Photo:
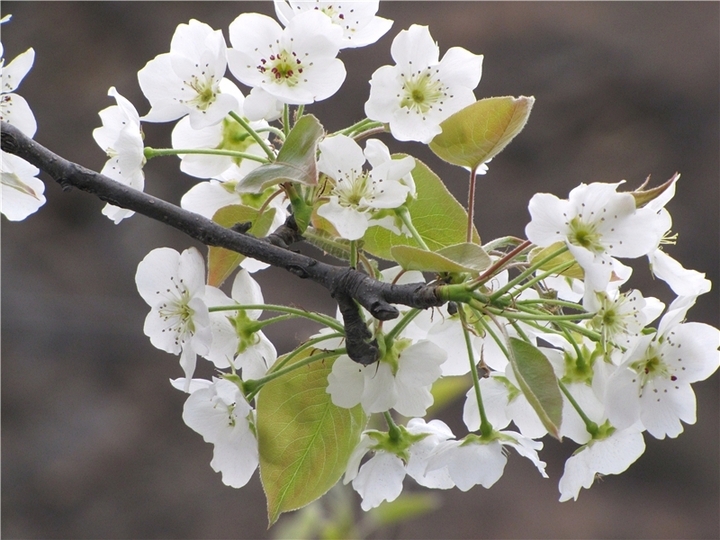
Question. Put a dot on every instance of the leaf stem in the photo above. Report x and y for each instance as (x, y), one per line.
(485, 425)
(497, 294)
(252, 386)
(325, 320)
(404, 214)
(254, 134)
(591, 426)
(157, 152)
(471, 203)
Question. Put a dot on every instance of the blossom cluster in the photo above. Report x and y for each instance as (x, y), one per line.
(551, 316)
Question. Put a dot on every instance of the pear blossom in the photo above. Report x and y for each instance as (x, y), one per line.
(401, 380)
(652, 385)
(596, 223)
(237, 341)
(683, 281)
(189, 80)
(357, 194)
(420, 91)
(225, 135)
(622, 316)
(22, 193)
(173, 285)
(356, 18)
(381, 477)
(610, 455)
(219, 412)
(503, 402)
(297, 65)
(121, 138)
(14, 109)
(473, 460)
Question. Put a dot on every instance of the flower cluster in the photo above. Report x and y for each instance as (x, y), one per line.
(542, 336)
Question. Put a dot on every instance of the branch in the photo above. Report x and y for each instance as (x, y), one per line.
(344, 284)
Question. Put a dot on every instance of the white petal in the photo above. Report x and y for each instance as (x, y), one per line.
(380, 479)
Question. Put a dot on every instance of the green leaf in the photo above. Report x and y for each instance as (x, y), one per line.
(407, 506)
(574, 271)
(538, 383)
(446, 390)
(480, 131)
(296, 161)
(438, 217)
(304, 440)
(221, 261)
(458, 258)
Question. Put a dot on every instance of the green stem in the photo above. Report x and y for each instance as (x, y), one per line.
(485, 425)
(308, 344)
(526, 316)
(157, 152)
(357, 126)
(275, 131)
(317, 317)
(253, 386)
(286, 119)
(549, 301)
(299, 112)
(393, 430)
(254, 134)
(497, 294)
(498, 265)
(404, 214)
(591, 426)
(400, 326)
(471, 203)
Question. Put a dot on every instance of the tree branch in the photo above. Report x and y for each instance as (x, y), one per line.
(344, 284)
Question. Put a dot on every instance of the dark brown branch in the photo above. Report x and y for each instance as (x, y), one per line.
(344, 284)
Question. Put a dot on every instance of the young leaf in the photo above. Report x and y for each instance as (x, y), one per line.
(438, 217)
(458, 258)
(538, 383)
(221, 261)
(574, 271)
(304, 440)
(296, 161)
(480, 131)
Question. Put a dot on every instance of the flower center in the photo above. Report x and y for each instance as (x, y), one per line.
(585, 235)
(206, 91)
(177, 312)
(422, 92)
(355, 188)
(282, 68)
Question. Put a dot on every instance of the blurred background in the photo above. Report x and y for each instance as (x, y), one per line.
(93, 441)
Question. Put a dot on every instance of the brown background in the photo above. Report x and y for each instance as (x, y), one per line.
(93, 442)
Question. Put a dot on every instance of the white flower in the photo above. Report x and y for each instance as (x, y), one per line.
(297, 65)
(356, 193)
(173, 285)
(218, 411)
(503, 401)
(653, 383)
(225, 135)
(22, 193)
(356, 18)
(611, 455)
(401, 380)
(622, 316)
(381, 477)
(189, 79)
(237, 339)
(121, 138)
(14, 109)
(596, 223)
(419, 92)
(473, 461)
